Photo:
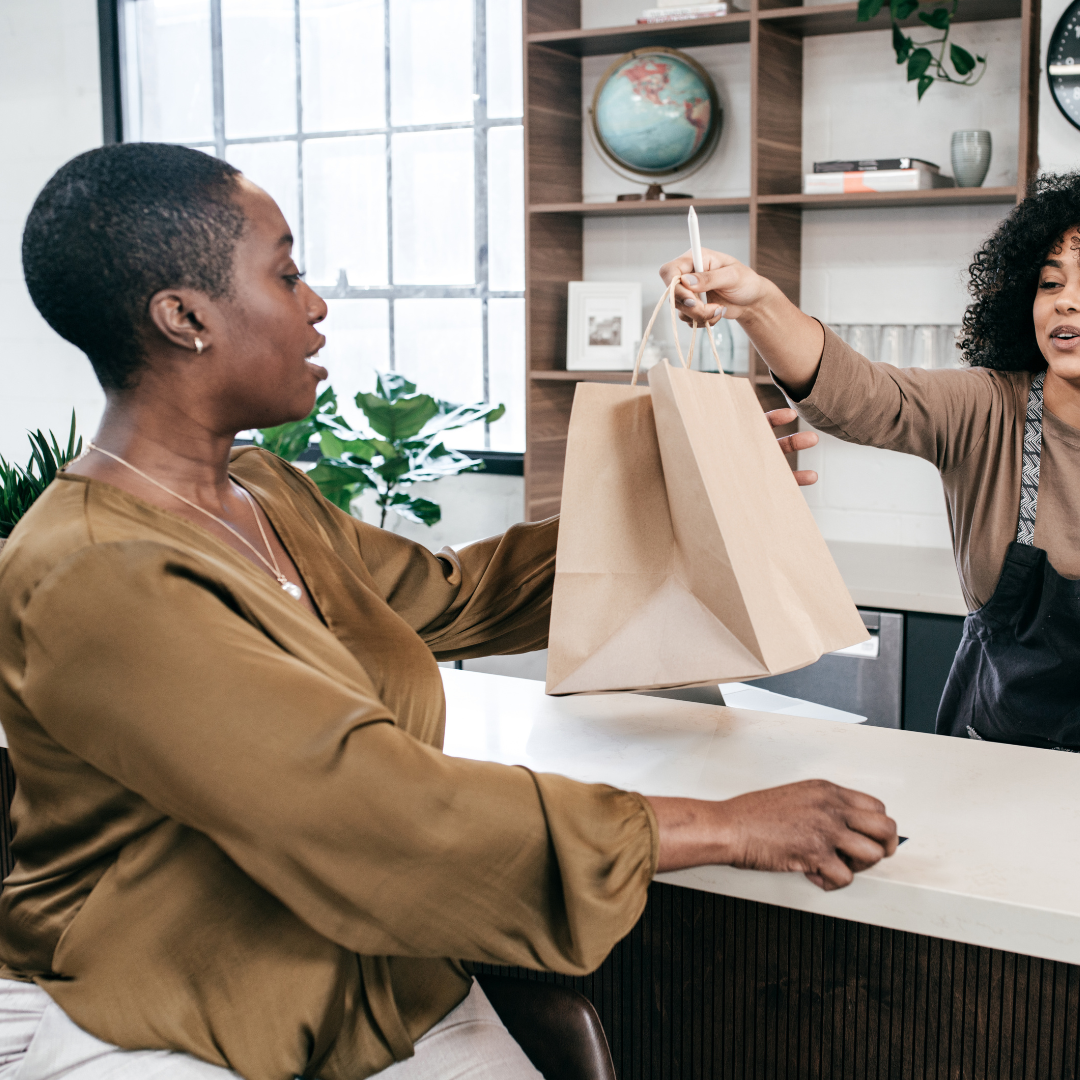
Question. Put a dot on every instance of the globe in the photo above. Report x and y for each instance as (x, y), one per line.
(656, 112)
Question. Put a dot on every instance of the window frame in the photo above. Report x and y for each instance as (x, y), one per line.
(113, 131)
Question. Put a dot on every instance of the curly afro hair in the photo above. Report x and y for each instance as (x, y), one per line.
(998, 328)
(118, 224)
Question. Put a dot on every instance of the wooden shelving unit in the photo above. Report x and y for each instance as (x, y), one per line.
(554, 45)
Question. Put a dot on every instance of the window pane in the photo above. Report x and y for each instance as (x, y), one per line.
(506, 209)
(168, 79)
(506, 372)
(258, 44)
(345, 210)
(438, 344)
(503, 58)
(357, 347)
(431, 61)
(434, 241)
(343, 63)
(273, 167)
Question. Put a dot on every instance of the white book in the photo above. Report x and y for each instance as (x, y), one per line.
(846, 183)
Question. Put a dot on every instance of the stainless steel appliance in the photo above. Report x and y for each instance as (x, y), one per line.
(866, 679)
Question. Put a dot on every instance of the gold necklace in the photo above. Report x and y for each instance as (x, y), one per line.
(272, 564)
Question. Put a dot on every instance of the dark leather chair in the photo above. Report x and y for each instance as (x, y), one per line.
(556, 1027)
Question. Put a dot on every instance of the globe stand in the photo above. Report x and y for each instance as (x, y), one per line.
(654, 193)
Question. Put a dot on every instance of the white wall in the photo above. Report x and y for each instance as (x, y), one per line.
(50, 110)
(870, 266)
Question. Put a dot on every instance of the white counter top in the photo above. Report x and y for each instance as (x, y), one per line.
(994, 830)
(901, 578)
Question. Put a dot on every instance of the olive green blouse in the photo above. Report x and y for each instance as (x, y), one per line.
(236, 835)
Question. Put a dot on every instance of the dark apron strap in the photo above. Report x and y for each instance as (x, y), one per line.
(1029, 473)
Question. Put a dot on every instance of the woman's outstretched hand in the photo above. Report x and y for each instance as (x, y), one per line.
(826, 832)
(790, 444)
(725, 280)
(790, 342)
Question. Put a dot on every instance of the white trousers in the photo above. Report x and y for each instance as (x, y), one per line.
(39, 1042)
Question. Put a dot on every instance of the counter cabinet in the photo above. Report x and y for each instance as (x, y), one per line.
(708, 987)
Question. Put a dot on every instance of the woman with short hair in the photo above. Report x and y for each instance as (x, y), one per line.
(238, 845)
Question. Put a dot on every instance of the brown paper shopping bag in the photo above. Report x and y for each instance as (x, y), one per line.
(686, 553)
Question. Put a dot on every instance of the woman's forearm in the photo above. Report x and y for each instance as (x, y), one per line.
(817, 828)
(787, 340)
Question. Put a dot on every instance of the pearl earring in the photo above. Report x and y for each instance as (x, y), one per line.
(198, 346)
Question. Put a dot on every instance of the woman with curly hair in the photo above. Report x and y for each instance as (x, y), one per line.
(1004, 433)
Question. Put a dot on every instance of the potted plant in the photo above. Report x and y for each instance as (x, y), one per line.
(20, 486)
(404, 447)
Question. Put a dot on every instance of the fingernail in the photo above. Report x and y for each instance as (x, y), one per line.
(689, 279)
(690, 302)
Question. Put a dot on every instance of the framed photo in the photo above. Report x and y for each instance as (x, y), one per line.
(603, 325)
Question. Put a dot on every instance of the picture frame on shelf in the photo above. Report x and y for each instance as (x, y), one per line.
(603, 325)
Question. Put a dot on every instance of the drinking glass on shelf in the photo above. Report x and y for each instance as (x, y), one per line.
(863, 339)
(703, 354)
(925, 350)
(893, 345)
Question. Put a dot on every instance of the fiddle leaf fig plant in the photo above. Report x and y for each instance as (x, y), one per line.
(926, 60)
(21, 485)
(404, 447)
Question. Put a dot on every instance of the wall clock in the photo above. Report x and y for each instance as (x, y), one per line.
(1063, 64)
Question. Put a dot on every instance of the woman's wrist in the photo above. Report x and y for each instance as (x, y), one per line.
(693, 832)
(788, 340)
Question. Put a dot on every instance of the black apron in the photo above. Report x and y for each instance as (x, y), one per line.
(1016, 676)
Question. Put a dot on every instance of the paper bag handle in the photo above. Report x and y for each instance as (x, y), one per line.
(669, 296)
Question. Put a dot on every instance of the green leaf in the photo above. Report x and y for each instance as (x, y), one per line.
(330, 445)
(961, 59)
(422, 511)
(391, 385)
(938, 18)
(868, 9)
(461, 416)
(917, 64)
(340, 482)
(398, 419)
(901, 9)
(924, 84)
(902, 44)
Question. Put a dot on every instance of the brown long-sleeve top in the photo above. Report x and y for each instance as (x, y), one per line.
(970, 424)
(236, 835)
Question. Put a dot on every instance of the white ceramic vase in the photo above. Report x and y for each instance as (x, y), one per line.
(970, 157)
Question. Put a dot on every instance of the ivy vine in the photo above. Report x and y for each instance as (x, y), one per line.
(926, 59)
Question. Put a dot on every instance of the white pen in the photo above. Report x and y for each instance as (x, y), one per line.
(695, 248)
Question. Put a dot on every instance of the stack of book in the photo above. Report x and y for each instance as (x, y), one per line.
(874, 174)
(669, 13)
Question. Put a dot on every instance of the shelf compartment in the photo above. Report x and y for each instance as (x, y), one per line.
(620, 39)
(955, 196)
(813, 21)
(655, 206)
(840, 18)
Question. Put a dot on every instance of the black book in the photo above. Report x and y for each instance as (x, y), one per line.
(873, 164)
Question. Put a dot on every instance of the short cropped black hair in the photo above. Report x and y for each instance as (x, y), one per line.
(116, 225)
(998, 328)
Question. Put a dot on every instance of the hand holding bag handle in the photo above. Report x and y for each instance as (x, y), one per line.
(669, 297)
